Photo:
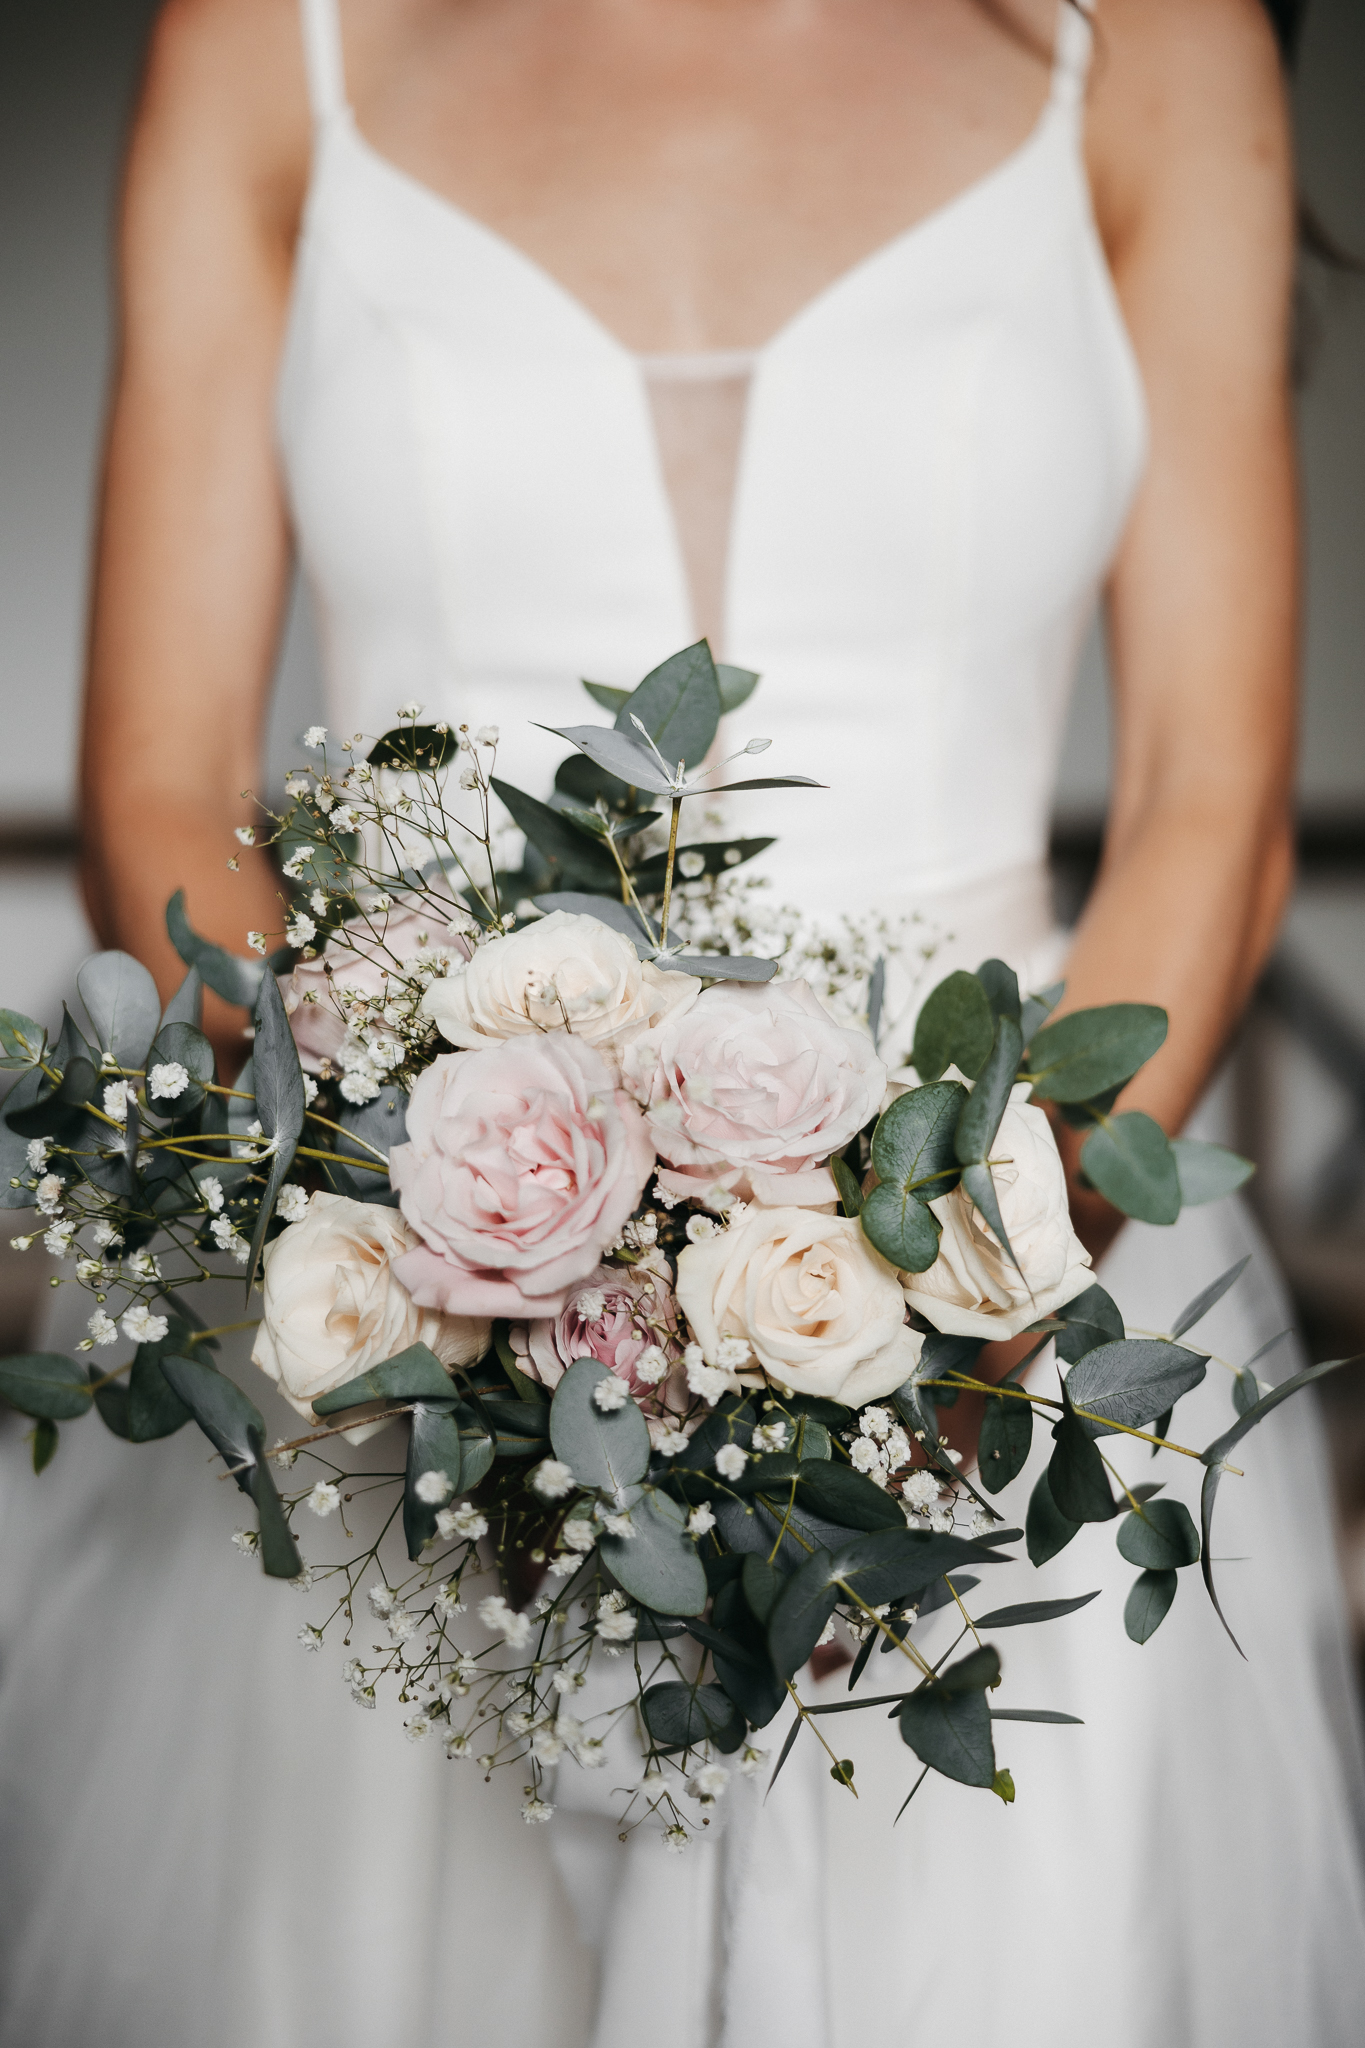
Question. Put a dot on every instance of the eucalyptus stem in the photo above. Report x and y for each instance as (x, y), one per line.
(668, 872)
(836, 1761)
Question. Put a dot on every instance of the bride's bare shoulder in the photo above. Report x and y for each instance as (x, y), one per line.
(1183, 90)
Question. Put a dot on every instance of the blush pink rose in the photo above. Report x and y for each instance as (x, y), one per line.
(627, 1317)
(376, 949)
(523, 1163)
(750, 1091)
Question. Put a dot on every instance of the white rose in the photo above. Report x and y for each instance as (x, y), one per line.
(564, 972)
(333, 1306)
(973, 1289)
(821, 1310)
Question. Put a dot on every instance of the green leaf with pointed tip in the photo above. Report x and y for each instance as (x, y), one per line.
(43, 1437)
(122, 1004)
(433, 1446)
(657, 1565)
(717, 856)
(571, 853)
(1148, 1604)
(154, 1409)
(913, 1145)
(607, 910)
(736, 685)
(678, 704)
(416, 1374)
(414, 747)
(1046, 1714)
(1046, 1530)
(236, 980)
(604, 1448)
(955, 1028)
(279, 1553)
(719, 966)
(902, 1228)
(1131, 1162)
(1029, 1611)
(1132, 1382)
(1091, 1319)
(980, 1185)
(1076, 1475)
(186, 1006)
(889, 1565)
(277, 1081)
(847, 1497)
(1038, 1007)
(1159, 1536)
(231, 1421)
(1208, 1172)
(979, 1118)
(849, 1186)
(627, 756)
(1005, 1440)
(1001, 984)
(762, 1583)
(680, 1716)
(21, 1040)
(44, 1385)
(185, 1046)
(606, 694)
(1208, 1297)
(949, 1729)
(1088, 1051)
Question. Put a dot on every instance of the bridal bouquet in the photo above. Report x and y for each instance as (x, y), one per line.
(646, 1273)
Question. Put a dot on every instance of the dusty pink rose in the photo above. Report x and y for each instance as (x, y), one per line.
(627, 1317)
(752, 1089)
(378, 948)
(523, 1163)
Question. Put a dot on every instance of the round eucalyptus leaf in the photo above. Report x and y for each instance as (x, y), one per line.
(1004, 1442)
(951, 1733)
(122, 1004)
(1148, 1604)
(45, 1385)
(1159, 1536)
(658, 1565)
(902, 1228)
(913, 1145)
(1046, 1529)
(954, 1029)
(607, 1448)
(1208, 1172)
(1132, 1382)
(1082, 1054)
(679, 1716)
(1130, 1161)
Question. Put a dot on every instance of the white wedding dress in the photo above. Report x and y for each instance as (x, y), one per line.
(900, 510)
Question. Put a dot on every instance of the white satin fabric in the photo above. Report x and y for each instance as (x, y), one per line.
(204, 1840)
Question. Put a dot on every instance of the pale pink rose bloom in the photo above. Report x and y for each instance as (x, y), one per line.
(616, 1315)
(750, 1091)
(524, 1162)
(379, 947)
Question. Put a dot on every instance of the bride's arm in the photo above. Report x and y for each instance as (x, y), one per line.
(1190, 162)
(193, 550)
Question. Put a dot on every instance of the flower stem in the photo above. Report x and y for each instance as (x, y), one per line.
(668, 872)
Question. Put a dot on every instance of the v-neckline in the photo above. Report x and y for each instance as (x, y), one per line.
(902, 242)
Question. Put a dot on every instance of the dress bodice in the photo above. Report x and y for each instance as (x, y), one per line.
(937, 457)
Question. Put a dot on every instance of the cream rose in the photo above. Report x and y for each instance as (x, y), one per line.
(334, 1306)
(564, 972)
(973, 1289)
(821, 1311)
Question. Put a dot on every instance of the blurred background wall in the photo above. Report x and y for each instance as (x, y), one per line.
(1295, 1089)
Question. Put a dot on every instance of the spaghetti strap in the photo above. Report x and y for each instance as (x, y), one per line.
(324, 59)
(1074, 44)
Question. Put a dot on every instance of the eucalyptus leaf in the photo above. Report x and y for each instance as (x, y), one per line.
(607, 910)
(1132, 1382)
(887, 1566)
(277, 1080)
(979, 1117)
(21, 1040)
(44, 1385)
(1029, 1611)
(1148, 1604)
(717, 856)
(1005, 1440)
(657, 1565)
(602, 1448)
(606, 694)
(231, 1421)
(1130, 1161)
(415, 1374)
(902, 1228)
(1045, 1714)
(568, 851)
(679, 705)
(955, 1028)
(1091, 1318)
(848, 1497)
(433, 1446)
(849, 1186)
(1159, 1536)
(762, 1583)
(680, 1716)
(154, 1409)
(718, 966)
(408, 748)
(372, 1127)
(1076, 1475)
(1088, 1051)
(186, 1046)
(629, 759)
(876, 998)
(762, 782)
(948, 1726)
(186, 1006)
(1046, 1530)
(122, 1004)
(736, 685)
(1001, 984)
(913, 1145)
(1208, 1297)
(235, 979)
(1039, 1007)
(1208, 1172)
(978, 1183)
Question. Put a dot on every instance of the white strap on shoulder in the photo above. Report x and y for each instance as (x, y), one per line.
(326, 64)
(1072, 50)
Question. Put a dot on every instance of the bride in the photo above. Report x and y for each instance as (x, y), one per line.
(876, 339)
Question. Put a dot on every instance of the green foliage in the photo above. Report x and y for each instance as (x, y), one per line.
(679, 1716)
(902, 1228)
(1076, 1475)
(122, 1004)
(21, 1040)
(1208, 1297)
(718, 856)
(434, 1445)
(1208, 1172)
(235, 979)
(658, 1565)
(608, 1449)
(154, 1409)
(1148, 1604)
(415, 747)
(1001, 984)
(183, 1045)
(1005, 1440)
(848, 1497)
(948, 1724)
(1088, 1051)
(913, 1146)
(236, 1429)
(1046, 1529)
(1159, 1536)
(186, 1006)
(1132, 1382)
(416, 1374)
(678, 704)
(570, 852)
(44, 1385)
(955, 1028)
(43, 1437)
(980, 1115)
(1027, 1612)
(1130, 1161)
(886, 1567)
(1091, 1318)
(849, 1186)
(277, 1083)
